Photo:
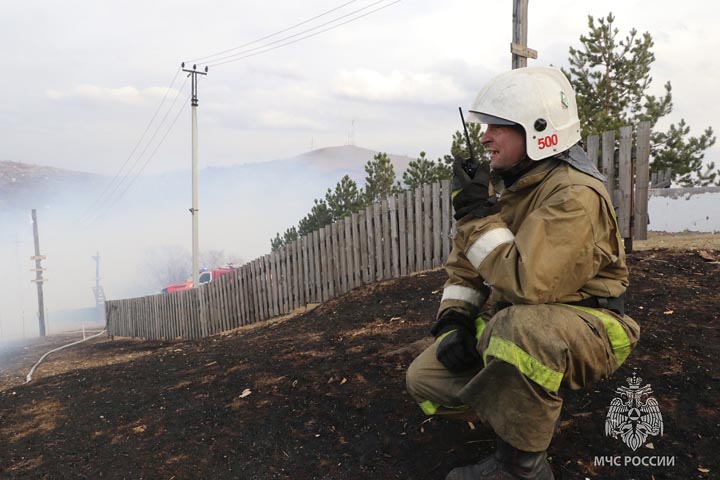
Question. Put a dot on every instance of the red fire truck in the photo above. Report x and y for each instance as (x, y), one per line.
(206, 276)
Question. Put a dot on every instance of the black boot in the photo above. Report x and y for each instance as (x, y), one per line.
(508, 463)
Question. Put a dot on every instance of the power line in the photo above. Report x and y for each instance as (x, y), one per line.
(114, 185)
(246, 54)
(117, 198)
(111, 185)
(272, 34)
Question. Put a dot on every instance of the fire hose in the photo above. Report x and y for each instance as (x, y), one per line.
(32, 370)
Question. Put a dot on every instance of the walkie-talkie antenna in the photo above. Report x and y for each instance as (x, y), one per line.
(467, 135)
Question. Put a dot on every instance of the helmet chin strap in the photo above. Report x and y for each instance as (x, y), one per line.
(510, 175)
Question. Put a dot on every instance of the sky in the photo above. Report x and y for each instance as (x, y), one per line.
(82, 79)
(97, 87)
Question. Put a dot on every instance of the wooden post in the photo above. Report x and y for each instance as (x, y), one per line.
(394, 253)
(437, 247)
(640, 220)
(427, 227)
(306, 270)
(349, 262)
(38, 280)
(364, 237)
(419, 229)
(357, 269)
(342, 257)
(316, 263)
(386, 240)
(608, 162)
(324, 270)
(593, 148)
(369, 214)
(518, 47)
(377, 233)
(625, 184)
(446, 215)
(410, 215)
(402, 232)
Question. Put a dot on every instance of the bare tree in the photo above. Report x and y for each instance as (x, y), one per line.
(166, 265)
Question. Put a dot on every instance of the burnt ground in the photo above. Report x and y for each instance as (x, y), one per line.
(321, 395)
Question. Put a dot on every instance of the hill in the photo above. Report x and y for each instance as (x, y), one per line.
(241, 209)
(26, 186)
(321, 395)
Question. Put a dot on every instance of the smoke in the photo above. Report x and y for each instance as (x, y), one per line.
(240, 210)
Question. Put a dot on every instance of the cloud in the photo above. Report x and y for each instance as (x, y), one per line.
(97, 94)
(278, 119)
(397, 86)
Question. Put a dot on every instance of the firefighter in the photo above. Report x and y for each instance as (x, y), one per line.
(536, 278)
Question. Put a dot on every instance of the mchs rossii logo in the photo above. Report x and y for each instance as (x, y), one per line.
(634, 414)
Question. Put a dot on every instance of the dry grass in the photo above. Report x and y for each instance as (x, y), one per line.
(679, 241)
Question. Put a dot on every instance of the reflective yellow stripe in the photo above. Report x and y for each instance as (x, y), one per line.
(437, 340)
(430, 408)
(479, 327)
(530, 367)
(454, 193)
(620, 342)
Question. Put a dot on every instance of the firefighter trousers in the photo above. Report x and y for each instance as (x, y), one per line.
(529, 352)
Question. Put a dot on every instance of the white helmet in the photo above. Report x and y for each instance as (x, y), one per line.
(540, 99)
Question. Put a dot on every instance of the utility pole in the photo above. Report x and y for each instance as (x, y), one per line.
(194, 210)
(98, 291)
(518, 47)
(38, 274)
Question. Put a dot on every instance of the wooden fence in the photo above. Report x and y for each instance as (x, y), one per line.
(403, 234)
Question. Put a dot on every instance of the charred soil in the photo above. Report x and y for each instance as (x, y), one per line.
(322, 395)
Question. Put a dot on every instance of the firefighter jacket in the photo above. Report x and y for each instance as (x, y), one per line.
(555, 240)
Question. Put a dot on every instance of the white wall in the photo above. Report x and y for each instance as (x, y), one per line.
(679, 209)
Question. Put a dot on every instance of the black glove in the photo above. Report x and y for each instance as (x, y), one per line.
(456, 348)
(470, 193)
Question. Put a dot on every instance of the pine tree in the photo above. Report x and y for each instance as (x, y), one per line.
(459, 146)
(687, 170)
(318, 217)
(345, 200)
(611, 78)
(424, 171)
(380, 179)
(288, 237)
(276, 243)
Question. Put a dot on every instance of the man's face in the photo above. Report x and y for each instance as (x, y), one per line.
(505, 144)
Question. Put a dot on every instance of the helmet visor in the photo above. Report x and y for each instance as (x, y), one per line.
(484, 118)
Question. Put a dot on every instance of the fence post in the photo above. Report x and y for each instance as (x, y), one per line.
(364, 237)
(378, 233)
(357, 272)
(640, 221)
(419, 229)
(340, 249)
(436, 222)
(369, 215)
(402, 232)
(593, 148)
(608, 163)
(427, 227)
(446, 218)
(349, 262)
(625, 181)
(394, 253)
(386, 239)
